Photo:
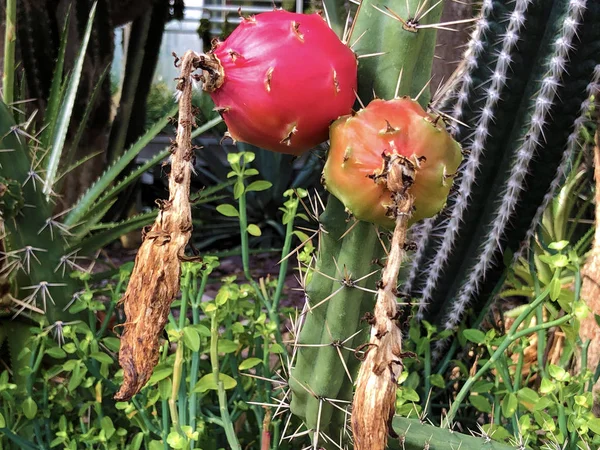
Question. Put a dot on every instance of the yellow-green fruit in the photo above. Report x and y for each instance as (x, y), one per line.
(360, 143)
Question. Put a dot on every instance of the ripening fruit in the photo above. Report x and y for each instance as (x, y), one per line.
(356, 160)
(280, 79)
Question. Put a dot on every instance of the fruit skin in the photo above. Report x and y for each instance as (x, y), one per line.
(281, 78)
(356, 159)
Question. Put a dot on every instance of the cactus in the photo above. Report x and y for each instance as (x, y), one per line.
(529, 72)
(520, 97)
(393, 61)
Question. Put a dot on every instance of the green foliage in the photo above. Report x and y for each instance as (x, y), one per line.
(220, 365)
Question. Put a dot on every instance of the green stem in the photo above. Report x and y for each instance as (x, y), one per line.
(511, 336)
(195, 355)
(177, 365)
(287, 245)
(10, 39)
(214, 360)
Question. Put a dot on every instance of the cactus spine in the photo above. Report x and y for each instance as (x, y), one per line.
(528, 74)
(393, 60)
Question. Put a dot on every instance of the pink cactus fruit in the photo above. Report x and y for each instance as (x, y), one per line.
(357, 159)
(280, 79)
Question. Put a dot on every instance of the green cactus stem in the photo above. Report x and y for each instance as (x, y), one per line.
(416, 435)
(529, 72)
(393, 60)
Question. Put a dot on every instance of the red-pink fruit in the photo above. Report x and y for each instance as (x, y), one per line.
(354, 171)
(280, 79)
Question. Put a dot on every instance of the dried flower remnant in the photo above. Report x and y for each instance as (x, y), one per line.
(154, 282)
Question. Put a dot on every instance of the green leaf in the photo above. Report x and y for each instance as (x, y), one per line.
(191, 339)
(160, 372)
(509, 405)
(207, 382)
(136, 442)
(66, 110)
(113, 343)
(253, 230)
(165, 388)
(102, 357)
(228, 210)
(249, 363)
(481, 403)
(437, 380)
(261, 185)
(594, 424)
(176, 440)
(107, 426)
(29, 408)
(2, 421)
(238, 189)
(558, 373)
(473, 335)
(56, 352)
(276, 348)
(555, 287)
(227, 346)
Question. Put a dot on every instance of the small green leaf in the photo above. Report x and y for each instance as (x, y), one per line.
(594, 424)
(558, 245)
(249, 363)
(56, 352)
(102, 357)
(30, 408)
(227, 346)
(113, 343)
(191, 339)
(238, 189)
(555, 288)
(509, 405)
(558, 373)
(473, 335)
(202, 329)
(136, 442)
(160, 373)
(207, 382)
(228, 210)
(276, 348)
(175, 440)
(2, 421)
(437, 380)
(107, 426)
(260, 185)
(165, 387)
(480, 403)
(253, 230)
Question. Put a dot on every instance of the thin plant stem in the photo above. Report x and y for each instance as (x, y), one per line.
(287, 245)
(510, 337)
(177, 365)
(165, 423)
(10, 40)
(214, 360)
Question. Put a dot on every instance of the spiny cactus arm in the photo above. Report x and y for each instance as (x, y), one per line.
(335, 303)
(562, 68)
(387, 48)
(33, 245)
(415, 435)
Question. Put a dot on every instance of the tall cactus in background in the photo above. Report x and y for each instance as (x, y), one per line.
(520, 101)
(516, 107)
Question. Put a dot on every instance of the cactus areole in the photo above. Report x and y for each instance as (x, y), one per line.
(280, 79)
(361, 147)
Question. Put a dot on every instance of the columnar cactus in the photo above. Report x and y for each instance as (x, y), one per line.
(529, 72)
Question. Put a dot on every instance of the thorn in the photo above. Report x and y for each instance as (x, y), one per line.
(416, 99)
(268, 77)
(369, 55)
(359, 100)
(358, 39)
(398, 83)
(296, 31)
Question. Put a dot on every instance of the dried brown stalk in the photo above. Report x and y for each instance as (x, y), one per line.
(375, 397)
(154, 282)
(590, 287)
